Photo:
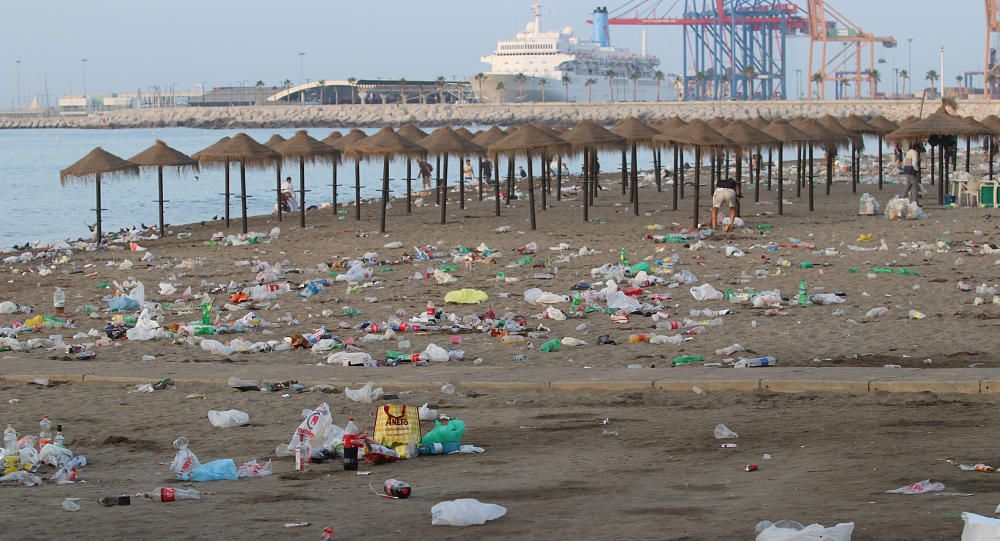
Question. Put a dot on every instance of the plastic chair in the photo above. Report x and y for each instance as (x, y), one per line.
(971, 191)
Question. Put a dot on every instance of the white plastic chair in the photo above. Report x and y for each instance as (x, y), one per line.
(971, 191)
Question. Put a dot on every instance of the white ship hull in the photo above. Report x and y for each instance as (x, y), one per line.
(620, 90)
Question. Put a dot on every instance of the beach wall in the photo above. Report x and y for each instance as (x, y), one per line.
(339, 116)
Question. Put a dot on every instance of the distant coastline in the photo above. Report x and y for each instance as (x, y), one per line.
(347, 116)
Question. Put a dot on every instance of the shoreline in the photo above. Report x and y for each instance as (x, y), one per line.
(349, 116)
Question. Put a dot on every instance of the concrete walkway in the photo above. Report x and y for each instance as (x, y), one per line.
(528, 378)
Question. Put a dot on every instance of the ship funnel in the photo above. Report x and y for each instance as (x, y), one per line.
(602, 36)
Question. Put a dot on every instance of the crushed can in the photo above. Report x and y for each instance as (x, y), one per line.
(750, 467)
(397, 489)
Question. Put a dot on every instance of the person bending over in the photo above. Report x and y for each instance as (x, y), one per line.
(726, 191)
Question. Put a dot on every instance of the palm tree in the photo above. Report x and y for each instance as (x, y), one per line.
(959, 79)
(440, 84)
(931, 76)
(259, 83)
(541, 84)
(844, 84)
(659, 76)
(634, 77)
(817, 79)
(905, 75)
(589, 83)
(286, 84)
(749, 73)
(875, 77)
(522, 80)
(610, 74)
(352, 80)
(480, 77)
(566, 81)
(500, 89)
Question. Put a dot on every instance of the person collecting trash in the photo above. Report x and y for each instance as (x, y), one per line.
(726, 191)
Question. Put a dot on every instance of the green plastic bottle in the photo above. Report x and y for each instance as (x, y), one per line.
(623, 258)
(803, 293)
(687, 359)
(551, 345)
(806, 265)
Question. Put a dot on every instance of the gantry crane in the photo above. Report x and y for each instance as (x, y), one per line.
(827, 25)
(990, 68)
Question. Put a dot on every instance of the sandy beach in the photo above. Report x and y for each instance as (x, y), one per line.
(664, 475)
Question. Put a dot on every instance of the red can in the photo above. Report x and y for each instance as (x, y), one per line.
(750, 467)
(398, 489)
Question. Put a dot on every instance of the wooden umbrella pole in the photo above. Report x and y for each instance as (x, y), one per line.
(624, 168)
(657, 175)
(443, 190)
(781, 180)
(586, 188)
(496, 182)
(880, 163)
(943, 181)
(510, 180)
(770, 157)
(543, 163)
(756, 181)
(799, 172)
(678, 174)
(739, 182)
(227, 193)
(697, 182)
(385, 193)
(989, 154)
(409, 186)
(812, 179)
(559, 168)
(594, 181)
(357, 190)
(531, 193)
(677, 182)
(635, 182)
(855, 168)
(333, 200)
(159, 179)
(98, 230)
(277, 189)
(243, 195)
(437, 179)
(829, 172)
(968, 152)
(302, 192)
(480, 177)
(461, 183)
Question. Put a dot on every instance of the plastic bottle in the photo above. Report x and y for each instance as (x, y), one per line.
(623, 258)
(59, 440)
(686, 359)
(551, 345)
(704, 322)
(730, 350)
(10, 440)
(756, 362)
(59, 301)
(638, 337)
(351, 445)
(431, 310)
(167, 494)
(44, 431)
(803, 293)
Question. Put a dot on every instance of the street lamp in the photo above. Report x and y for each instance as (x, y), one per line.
(18, 62)
(302, 95)
(798, 82)
(909, 64)
(86, 104)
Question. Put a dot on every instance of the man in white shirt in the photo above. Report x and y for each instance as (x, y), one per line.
(911, 161)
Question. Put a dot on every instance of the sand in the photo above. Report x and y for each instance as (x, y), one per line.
(663, 476)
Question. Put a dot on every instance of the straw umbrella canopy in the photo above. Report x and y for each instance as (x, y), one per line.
(249, 153)
(96, 164)
(525, 141)
(698, 134)
(785, 133)
(158, 156)
(717, 123)
(305, 148)
(635, 133)
(385, 144)
(442, 142)
(667, 127)
(883, 125)
(747, 138)
(484, 139)
(590, 137)
(758, 122)
(342, 144)
(413, 133)
(272, 144)
(464, 132)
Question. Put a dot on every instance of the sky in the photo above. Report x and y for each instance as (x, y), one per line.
(135, 45)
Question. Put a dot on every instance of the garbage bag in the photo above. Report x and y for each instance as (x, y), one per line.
(223, 469)
(620, 301)
(920, 487)
(442, 277)
(465, 512)
(466, 296)
(122, 304)
(722, 432)
(705, 292)
(214, 346)
(435, 353)
(228, 418)
(350, 358)
(788, 530)
(980, 528)
(537, 296)
(868, 205)
(355, 273)
(364, 395)
(313, 428)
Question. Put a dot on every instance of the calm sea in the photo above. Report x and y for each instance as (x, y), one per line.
(37, 207)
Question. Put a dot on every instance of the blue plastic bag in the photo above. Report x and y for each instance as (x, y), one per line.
(123, 303)
(223, 469)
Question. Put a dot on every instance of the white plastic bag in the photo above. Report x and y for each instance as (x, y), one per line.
(364, 395)
(427, 414)
(705, 292)
(228, 418)
(214, 346)
(465, 512)
(920, 487)
(980, 528)
(254, 468)
(313, 428)
(350, 358)
(434, 353)
(166, 288)
(620, 301)
(722, 432)
(789, 530)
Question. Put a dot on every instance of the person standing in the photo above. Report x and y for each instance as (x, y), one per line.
(897, 156)
(726, 192)
(910, 163)
(487, 169)
(425, 173)
(467, 171)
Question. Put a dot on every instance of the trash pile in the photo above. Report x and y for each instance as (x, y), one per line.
(27, 458)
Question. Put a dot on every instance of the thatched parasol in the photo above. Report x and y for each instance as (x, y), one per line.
(747, 138)
(465, 133)
(590, 137)
(249, 153)
(667, 127)
(883, 125)
(784, 132)
(342, 144)
(442, 142)
(697, 134)
(635, 133)
(305, 148)
(385, 144)
(159, 156)
(525, 141)
(96, 164)
(411, 132)
(717, 123)
(272, 144)
(485, 139)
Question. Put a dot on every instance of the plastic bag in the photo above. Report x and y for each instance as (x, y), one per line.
(920, 487)
(223, 469)
(228, 418)
(364, 395)
(185, 461)
(122, 304)
(427, 414)
(254, 469)
(722, 432)
(466, 296)
(705, 292)
(167, 288)
(465, 512)
(868, 206)
(351, 358)
(434, 353)
(355, 273)
(442, 277)
(313, 428)
(537, 296)
(214, 346)
(980, 528)
(789, 530)
(621, 301)
(28, 479)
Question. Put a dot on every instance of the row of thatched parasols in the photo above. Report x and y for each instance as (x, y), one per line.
(716, 137)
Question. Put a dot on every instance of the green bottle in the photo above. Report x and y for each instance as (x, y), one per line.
(623, 258)
(551, 345)
(803, 293)
(206, 313)
(687, 359)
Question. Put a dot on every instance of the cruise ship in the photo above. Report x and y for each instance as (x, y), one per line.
(555, 66)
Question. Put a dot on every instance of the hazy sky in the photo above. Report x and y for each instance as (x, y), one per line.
(132, 44)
